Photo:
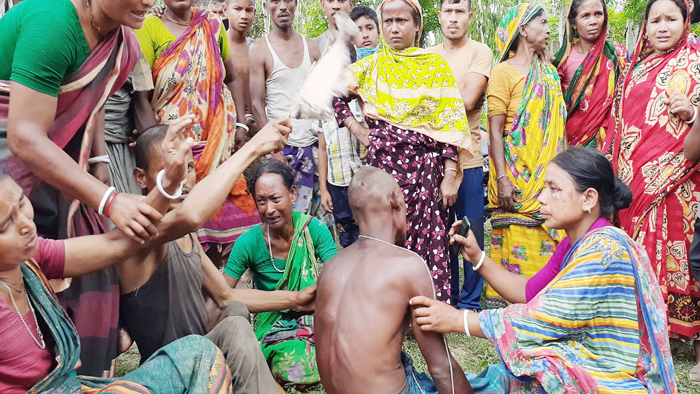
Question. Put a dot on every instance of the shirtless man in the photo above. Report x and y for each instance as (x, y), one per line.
(362, 310)
(279, 64)
(241, 14)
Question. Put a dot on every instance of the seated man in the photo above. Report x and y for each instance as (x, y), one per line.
(362, 310)
(162, 285)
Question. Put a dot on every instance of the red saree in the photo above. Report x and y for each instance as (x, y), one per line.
(589, 97)
(647, 152)
(92, 301)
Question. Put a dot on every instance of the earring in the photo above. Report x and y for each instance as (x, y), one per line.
(587, 209)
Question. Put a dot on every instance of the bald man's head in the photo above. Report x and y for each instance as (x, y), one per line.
(373, 192)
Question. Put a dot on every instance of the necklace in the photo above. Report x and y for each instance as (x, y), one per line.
(269, 245)
(176, 22)
(381, 240)
(41, 345)
(92, 19)
(20, 290)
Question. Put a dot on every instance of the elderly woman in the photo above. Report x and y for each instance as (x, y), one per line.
(526, 113)
(39, 345)
(417, 123)
(593, 320)
(647, 152)
(589, 66)
(283, 253)
(61, 59)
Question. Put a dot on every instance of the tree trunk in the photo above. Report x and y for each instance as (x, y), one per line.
(631, 35)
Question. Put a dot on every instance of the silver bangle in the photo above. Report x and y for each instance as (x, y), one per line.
(466, 324)
(159, 182)
(451, 169)
(108, 193)
(98, 159)
(695, 115)
(481, 261)
(243, 126)
(353, 121)
(499, 178)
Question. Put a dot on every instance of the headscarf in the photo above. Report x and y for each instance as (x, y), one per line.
(507, 32)
(412, 89)
(589, 96)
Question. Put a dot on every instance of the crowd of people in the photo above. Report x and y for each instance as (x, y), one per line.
(148, 157)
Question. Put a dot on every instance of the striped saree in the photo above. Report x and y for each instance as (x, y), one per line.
(190, 365)
(598, 327)
(92, 300)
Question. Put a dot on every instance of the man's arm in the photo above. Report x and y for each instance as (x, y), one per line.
(326, 201)
(471, 89)
(210, 193)
(257, 54)
(314, 51)
(92, 253)
(30, 117)
(238, 101)
(444, 369)
(143, 111)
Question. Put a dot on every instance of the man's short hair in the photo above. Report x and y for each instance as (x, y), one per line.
(365, 11)
(469, 3)
(145, 144)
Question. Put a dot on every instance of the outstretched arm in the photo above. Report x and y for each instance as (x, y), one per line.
(30, 117)
(92, 253)
(444, 369)
(268, 301)
(210, 193)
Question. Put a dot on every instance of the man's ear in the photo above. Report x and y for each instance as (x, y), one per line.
(140, 178)
(394, 199)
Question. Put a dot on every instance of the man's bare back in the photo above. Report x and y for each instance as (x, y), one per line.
(362, 312)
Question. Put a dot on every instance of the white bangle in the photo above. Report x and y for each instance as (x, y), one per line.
(451, 169)
(108, 193)
(98, 159)
(159, 182)
(243, 126)
(348, 126)
(695, 115)
(481, 261)
(466, 324)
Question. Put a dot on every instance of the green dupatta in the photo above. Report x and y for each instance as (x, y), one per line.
(286, 339)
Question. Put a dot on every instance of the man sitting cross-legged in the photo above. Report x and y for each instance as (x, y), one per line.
(162, 285)
(362, 310)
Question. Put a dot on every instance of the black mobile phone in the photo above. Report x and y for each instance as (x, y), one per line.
(463, 230)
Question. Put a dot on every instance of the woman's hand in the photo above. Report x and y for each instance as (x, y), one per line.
(360, 132)
(134, 217)
(506, 193)
(679, 105)
(470, 247)
(449, 187)
(306, 299)
(272, 137)
(432, 315)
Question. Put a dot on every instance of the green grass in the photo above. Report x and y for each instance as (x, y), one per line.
(473, 354)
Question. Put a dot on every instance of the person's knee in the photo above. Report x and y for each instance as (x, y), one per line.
(236, 309)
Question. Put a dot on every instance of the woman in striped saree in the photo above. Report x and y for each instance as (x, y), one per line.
(593, 320)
